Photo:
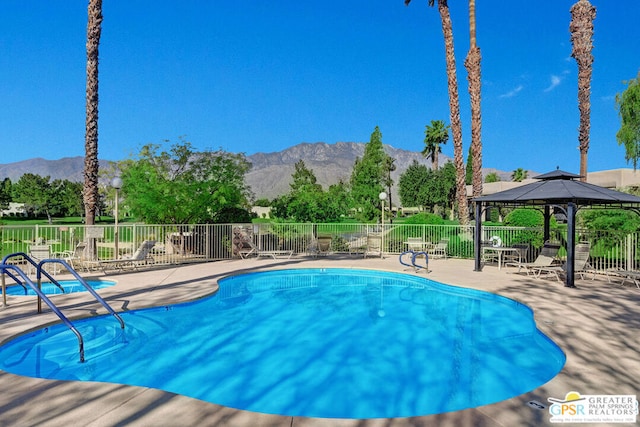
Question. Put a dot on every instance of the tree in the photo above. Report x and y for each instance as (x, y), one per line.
(91, 165)
(435, 135)
(628, 103)
(181, 186)
(5, 193)
(367, 178)
(472, 64)
(36, 194)
(454, 108)
(308, 202)
(421, 186)
(519, 175)
(492, 177)
(581, 28)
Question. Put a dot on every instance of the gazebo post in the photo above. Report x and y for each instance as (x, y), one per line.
(571, 244)
(547, 223)
(477, 237)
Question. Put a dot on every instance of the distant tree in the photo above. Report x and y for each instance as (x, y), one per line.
(519, 175)
(264, 202)
(435, 135)
(410, 182)
(181, 186)
(421, 186)
(36, 194)
(628, 103)
(69, 196)
(5, 193)
(492, 177)
(303, 178)
(367, 179)
(308, 202)
(581, 28)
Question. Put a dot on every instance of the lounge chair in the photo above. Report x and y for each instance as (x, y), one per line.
(141, 256)
(545, 259)
(248, 248)
(581, 264)
(374, 245)
(439, 250)
(321, 246)
(632, 275)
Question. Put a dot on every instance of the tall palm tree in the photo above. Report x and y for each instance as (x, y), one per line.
(472, 64)
(454, 108)
(435, 135)
(581, 28)
(90, 190)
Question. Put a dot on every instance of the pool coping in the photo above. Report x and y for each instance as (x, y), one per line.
(589, 323)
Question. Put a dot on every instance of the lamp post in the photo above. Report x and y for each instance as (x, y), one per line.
(116, 183)
(382, 196)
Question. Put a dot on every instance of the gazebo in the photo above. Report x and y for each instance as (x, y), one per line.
(559, 190)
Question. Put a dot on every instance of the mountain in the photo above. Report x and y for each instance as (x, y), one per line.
(270, 174)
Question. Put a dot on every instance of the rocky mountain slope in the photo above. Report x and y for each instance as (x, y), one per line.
(270, 174)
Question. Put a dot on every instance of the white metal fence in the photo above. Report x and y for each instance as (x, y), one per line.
(208, 242)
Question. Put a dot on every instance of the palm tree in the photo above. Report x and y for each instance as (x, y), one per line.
(90, 190)
(519, 175)
(435, 135)
(454, 108)
(581, 28)
(472, 64)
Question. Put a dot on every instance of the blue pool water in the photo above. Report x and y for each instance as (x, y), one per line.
(334, 343)
(69, 286)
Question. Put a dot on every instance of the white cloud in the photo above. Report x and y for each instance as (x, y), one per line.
(555, 81)
(512, 93)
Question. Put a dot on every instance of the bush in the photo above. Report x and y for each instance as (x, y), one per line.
(424, 218)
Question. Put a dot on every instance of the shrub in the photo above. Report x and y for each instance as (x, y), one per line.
(424, 218)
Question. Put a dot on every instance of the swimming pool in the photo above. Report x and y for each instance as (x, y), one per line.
(69, 286)
(334, 343)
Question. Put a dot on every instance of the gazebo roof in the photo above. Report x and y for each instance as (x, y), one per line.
(560, 187)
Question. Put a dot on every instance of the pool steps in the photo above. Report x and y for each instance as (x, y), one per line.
(15, 273)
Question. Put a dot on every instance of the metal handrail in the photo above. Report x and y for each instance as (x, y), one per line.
(80, 280)
(8, 268)
(3, 269)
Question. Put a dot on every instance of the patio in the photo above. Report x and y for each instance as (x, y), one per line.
(594, 324)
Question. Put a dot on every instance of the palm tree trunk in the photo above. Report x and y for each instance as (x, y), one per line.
(581, 28)
(472, 63)
(90, 190)
(454, 112)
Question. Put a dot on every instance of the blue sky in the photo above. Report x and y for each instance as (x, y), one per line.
(260, 76)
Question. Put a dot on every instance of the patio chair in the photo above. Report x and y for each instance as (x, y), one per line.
(323, 245)
(519, 255)
(141, 256)
(39, 252)
(581, 264)
(439, 250)
(416, 244)
(546, 258)
(76, 258)
(374, 245)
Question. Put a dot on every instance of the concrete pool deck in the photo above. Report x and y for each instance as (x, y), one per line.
(596, 325)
